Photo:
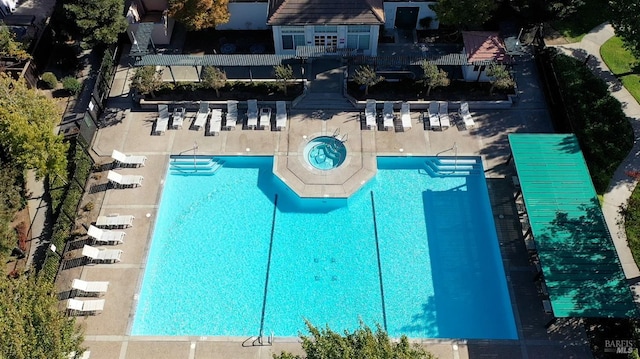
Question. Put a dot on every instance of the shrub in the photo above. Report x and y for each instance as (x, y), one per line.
(72, 85)
(50, 80)
(88, 207)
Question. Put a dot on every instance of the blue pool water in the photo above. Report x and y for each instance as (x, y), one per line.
(435, 270)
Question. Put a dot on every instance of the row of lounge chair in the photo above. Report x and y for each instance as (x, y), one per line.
(438, 115)
(388, 116)
(124, 181)
(214, 117)
(82, 288)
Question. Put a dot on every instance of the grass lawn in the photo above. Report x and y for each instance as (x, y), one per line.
(588, 16)
(622, 64)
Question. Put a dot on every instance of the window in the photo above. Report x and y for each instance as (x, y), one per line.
(290, 42)
(360, 42)
(325, 29)
(359, 28)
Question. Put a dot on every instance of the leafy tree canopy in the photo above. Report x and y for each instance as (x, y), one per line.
(366, 76)
(434, 77)
(283, 74)
(200, 14)
(147, 80)
(362, 343)
(9, 47)
(100, 21)
(27, 122)
(500, 78)
(626, 21)
(32, 327)
(10, 202)
(214, 78)
(464, 13)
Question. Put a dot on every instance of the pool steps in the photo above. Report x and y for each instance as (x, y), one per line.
(439, 167)
(197, 166)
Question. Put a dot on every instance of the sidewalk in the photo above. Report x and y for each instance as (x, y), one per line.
(621, 185)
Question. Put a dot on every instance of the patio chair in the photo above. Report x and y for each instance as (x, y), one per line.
(370, 114)
(465, 115)
(87, 287)
(105, 236)
(252, 114)
(434, 119)
(84, 307)
(178, 117)
(232, 114)
(281, 115)
(123, 160)
(124, 181)
(387, 115)
(265, 118)
(114, 221)
(162, 122)
(101, 255)
(443, 115)
(215, 124)
(405, 116)
(201, 116)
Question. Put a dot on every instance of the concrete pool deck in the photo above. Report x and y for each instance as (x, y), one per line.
(107, 333)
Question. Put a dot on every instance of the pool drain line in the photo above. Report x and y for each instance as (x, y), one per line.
(266, 280)
(375, 232)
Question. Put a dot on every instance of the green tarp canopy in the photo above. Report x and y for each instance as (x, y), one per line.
(579, 262)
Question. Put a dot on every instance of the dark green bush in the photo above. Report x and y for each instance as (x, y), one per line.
(72, 85)
(50, 80)
(602, 128)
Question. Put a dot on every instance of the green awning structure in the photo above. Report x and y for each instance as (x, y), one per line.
(579, 262)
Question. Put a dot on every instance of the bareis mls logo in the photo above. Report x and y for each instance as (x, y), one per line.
(620, 346)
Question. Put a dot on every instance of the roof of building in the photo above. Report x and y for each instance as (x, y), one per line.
(579, 262)
(326, 12)
(485, 46)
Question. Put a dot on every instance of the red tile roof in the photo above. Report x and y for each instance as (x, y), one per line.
(485, 45)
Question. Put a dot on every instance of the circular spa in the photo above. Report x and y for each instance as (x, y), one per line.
(325, 153)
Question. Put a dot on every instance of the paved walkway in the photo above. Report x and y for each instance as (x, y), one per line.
(621, 185)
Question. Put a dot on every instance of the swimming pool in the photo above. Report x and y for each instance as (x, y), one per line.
(237, 252)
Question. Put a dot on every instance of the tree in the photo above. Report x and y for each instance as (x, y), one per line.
(10, 202)
(32, 326)
(461, 13)
(9, 47)
(99, 21)
(199, 14)
(624, 18)
(434, 77)
(362, 343)
(214, 78)
(500, 78)
(27, 122)
(283, 74)
(366, 76)
(147, 80)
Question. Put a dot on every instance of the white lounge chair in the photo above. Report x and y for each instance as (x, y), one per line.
(387, 115)
(127, 161)
(434, 119)
(405, 116)
(75, 306)
(105, 236)
(232, 114)
(370, 114)
(252, 114)
(123, 181)
(101, 255)
(115, 221)
(281, 115)
(163, 119)
(201, 116)
(177, 119)
(85, 287)
(215, 124)
(465, 115)
(443, 114)
(265, 118)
